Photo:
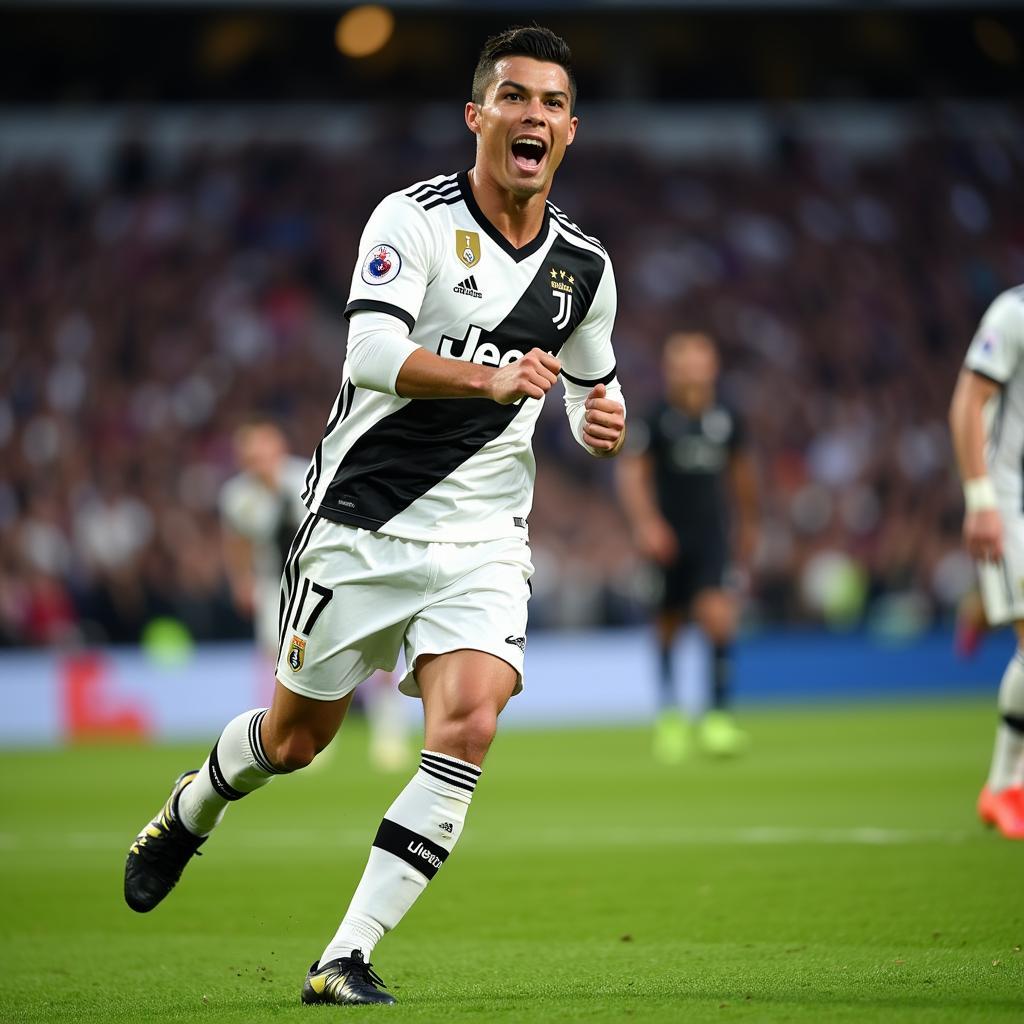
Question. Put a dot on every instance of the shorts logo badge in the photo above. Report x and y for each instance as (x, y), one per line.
(517, 641)
(467, 247)
(381, 264)
(296, 653)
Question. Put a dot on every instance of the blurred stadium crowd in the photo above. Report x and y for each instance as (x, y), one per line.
(145, 316)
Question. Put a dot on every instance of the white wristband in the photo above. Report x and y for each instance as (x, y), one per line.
(979, 494)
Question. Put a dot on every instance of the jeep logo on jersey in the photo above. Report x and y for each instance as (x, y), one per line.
(472, 350)
(467, 247)
(381, 264)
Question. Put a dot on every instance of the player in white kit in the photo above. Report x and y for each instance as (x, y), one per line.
(261, 509)
(471, 295)
(987, 424)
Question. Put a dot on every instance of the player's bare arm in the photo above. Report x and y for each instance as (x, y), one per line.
(426, 375)
(238, 563)
(743, 481)
(983, 525)
(652, 532)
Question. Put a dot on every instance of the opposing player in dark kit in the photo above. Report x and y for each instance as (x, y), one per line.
(687, 467)
(471, 296)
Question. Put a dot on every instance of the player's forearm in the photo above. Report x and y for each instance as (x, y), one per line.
(238, 566)
(744, 487)
(426, 375)
(636, 491)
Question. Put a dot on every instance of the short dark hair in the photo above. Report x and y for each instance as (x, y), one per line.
(523, 41)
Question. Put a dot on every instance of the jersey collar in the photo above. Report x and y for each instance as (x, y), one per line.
(493, 233)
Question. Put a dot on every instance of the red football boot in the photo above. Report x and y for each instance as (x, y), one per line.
(971, 626)
(1004, 810)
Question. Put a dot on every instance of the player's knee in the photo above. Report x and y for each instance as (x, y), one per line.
(469, 736)
(720, 630)
(716, 615)
(293, 752)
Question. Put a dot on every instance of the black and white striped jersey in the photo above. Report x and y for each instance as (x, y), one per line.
(459, 469)
(997, 352)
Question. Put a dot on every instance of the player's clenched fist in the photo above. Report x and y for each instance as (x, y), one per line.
(983, 534)
(657, 540)
(604, 423)
(529, 377)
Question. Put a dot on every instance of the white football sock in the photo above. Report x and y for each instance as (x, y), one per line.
(236, 766)
(418, 832)
(1008, 756)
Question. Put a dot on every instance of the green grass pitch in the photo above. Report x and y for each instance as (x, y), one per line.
(836, 873)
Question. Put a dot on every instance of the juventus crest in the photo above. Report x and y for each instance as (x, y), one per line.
(561, 288)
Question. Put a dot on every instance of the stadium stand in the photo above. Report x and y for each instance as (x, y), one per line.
(147, 309)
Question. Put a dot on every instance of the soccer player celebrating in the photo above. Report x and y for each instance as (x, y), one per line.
(675, 481)
(471, 295)
(986, 418)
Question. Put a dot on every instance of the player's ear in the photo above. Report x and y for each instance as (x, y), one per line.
(473, 117)
(573, 122)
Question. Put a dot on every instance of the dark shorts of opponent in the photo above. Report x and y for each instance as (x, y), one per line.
(701, 564)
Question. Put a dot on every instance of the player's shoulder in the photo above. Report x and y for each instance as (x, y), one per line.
(658, 416)
(235, 493)
(1008, 305)
(1002, 325)
(725, 405)
(574, 234)
(430, 194)
(723, 422)
(415, 209)
(235, 485)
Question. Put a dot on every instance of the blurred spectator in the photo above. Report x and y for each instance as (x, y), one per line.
(143, 318)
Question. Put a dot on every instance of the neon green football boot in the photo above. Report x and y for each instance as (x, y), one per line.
(672, 740)
(720, 736)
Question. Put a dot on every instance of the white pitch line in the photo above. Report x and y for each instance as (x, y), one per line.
(552, 838)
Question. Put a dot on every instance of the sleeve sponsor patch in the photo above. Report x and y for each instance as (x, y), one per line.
(988, 343)
(381, 265)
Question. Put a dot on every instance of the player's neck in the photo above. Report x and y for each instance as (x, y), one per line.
(690, 404)
(518, 219)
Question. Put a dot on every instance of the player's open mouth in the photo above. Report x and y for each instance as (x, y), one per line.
(528, 153)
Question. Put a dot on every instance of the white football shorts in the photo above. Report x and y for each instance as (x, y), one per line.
(351, 599)
(1002, 583)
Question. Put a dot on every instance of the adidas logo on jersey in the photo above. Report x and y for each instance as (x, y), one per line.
(472, 350)
(468, 287)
